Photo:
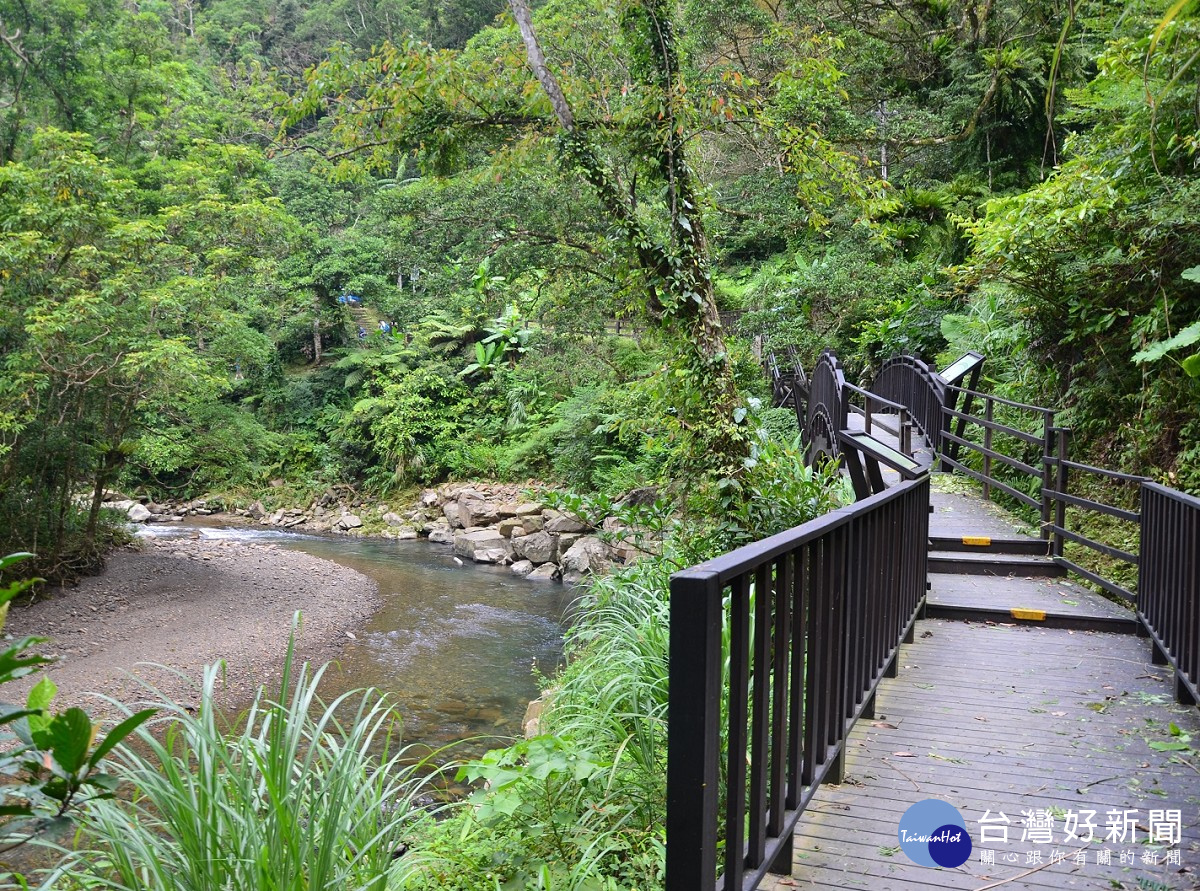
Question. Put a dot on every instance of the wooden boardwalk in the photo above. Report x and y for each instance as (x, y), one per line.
(1051, 728)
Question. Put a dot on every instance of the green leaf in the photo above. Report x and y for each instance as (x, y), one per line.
(1191, 275)
(1192, 365)
(1155, 351)
(1175, 746)
(119, 733)
(69, 736)
(41, 695)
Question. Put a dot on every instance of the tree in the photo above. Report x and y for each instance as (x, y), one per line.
(624, 128)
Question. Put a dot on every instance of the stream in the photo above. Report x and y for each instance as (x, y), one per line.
(456, 646)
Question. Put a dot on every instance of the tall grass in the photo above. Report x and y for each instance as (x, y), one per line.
(293, 798)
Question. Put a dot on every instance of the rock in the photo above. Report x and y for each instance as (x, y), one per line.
(540, 547)
(441, 535)
(450, 509)
(588, 555)
(276, 484)
(560, 522)
(522, 567)
(547, 572)
(613, 524)
(347, 522)
(532, 524)
(406, 534)
(510, 527)
(528, 510)
(430, 498)
(506, 509)
(566, 540)
(643, 497)
(532, 722)
(139, 514)
(256, 510)
(476, 511)
(393, 519)
(482, 546)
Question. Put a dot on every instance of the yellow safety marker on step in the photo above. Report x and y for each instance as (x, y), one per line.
(980, 540)
(1038, 615)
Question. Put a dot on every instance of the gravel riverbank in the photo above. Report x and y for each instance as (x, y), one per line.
(183, 604)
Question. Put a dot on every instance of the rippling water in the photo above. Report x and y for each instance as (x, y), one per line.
(456, 646)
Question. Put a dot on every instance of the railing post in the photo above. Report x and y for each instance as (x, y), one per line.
(1060, 506)
(989, 414)
(1048, 431)
(693, 745)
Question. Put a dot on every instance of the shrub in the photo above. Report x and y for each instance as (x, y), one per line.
(293, 797)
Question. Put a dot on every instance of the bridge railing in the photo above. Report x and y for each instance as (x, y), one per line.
(1169, 583)
(908, 380)
(777, 648)
(1063, 531)
(876, 409)
(1004, 445)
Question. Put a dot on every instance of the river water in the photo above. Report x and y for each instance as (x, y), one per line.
(456, 646)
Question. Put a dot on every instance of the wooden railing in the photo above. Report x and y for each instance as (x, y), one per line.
(1063, 531)
(910, 381)
(978, 433)
(1169, 583)
(814, 618)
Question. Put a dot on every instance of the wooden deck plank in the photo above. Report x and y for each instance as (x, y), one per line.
(956, 514)
(1058, 596)
(1006, 719)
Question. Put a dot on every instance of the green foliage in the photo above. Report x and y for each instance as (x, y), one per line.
(54, 765)
(298, 794)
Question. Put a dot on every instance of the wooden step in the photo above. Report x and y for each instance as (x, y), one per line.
(999, 564)
(985, 544)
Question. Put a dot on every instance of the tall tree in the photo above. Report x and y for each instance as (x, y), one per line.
(614, 110)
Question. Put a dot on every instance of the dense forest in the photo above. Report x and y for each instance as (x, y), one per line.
(257, 249)
(360, 242)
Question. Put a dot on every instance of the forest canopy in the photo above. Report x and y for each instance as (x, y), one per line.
(364, 242)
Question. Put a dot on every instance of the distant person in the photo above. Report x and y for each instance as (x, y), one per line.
(362, 332)
(385, 326)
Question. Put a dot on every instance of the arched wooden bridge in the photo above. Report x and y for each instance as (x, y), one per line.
(923, 643)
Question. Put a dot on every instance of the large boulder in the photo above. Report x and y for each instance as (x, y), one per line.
(511, 526)
(522, 567)
(482, 546)
(393, 519)
(556, 521)
(507, 509)
(441, 535)
(476, 511)
(346, 522)
(531, 523)
(450, 510)
(528, 510)
(540, 547)
(547, 572)
(588, 555)
(139, 513)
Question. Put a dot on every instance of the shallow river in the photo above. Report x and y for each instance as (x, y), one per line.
(455, 645)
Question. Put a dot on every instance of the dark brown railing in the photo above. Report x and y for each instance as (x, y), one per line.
(878, 410)
(814, 618)
(825, 414)
(1039, 434)
(1169, 583)
(908, 380)
(1064, 503)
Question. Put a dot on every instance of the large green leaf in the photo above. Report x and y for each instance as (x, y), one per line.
(1158, 349)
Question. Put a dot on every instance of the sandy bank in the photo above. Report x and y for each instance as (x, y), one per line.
(185, 603)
